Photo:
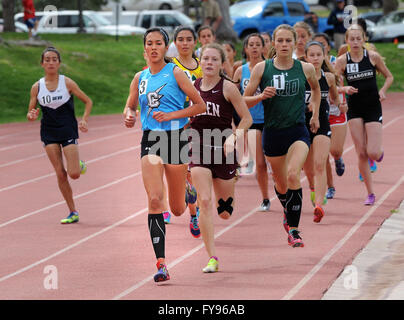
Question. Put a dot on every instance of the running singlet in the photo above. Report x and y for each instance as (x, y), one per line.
(257, 112)
(219, 111)
(192, 74)
(324, 87)
(160, 92)
(286, 108)
(361, 75)
(58, 121)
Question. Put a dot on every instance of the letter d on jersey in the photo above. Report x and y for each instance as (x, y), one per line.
(51, 280)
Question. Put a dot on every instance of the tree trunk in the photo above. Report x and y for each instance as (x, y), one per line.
(8, 15)
(225, 30)
(389, 6)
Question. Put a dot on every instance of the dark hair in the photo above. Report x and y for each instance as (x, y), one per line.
(183, 28)
(50, 49)
(246, 39)
(161, 31)
(220, 49)
(231, 45)
(266, 33)
(323, 35)
(204, 28)
(326, 65)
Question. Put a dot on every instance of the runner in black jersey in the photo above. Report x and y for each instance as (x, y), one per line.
(286, 139)
(315, 165)
(213, 162)
(359, 67)
(59, 128)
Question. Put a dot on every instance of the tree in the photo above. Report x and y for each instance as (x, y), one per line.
(225, 30)
(8, 15)
(389, 6)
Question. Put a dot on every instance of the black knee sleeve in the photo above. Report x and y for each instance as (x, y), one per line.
(225, 206)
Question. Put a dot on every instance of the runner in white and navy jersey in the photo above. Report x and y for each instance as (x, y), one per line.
(59, 127)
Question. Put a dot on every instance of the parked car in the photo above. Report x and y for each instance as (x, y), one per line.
(19, 27)
(265, 15)
(373, 16)
(167, 19)
(20, 16)
(67, 21)
(374, 4)
(146, 4)
(388, 28)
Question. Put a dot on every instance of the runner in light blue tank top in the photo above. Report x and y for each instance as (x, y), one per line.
(257, 112)
(160, 92)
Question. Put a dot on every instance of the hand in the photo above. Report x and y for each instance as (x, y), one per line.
(343, 107)
(230, 144)
(161, 116)
(268, 93)
(83, 125)
(350, 90)
(33, 114)
(314, 124)
(382, 95)
(130, 118)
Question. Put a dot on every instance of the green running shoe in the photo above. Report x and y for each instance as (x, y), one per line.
(72, 218)
(83, 167)
(213, 265)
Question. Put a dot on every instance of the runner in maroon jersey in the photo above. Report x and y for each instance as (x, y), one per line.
(213, 160)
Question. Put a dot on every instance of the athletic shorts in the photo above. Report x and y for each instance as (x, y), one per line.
(63, 143)
(337, 120)
(257, 126)
(171, 146)
(324, 129)
(30, 23)
(276, 142)
(214, 159)
(369, 110)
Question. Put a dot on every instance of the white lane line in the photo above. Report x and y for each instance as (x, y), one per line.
(22, 183)
(26, 268)
(192, 251)
(340, 243)
(14, 146)
(75, 197)
(43, 154)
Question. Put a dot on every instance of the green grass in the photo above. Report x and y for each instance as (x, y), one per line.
(102, 67)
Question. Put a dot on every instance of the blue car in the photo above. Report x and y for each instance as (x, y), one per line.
(265, 15)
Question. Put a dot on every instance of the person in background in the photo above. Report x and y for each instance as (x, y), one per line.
(211, 13)
(30, 19)
(336, 18)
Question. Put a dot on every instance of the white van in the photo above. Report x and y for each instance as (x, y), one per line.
(67, 21)
(167, 19)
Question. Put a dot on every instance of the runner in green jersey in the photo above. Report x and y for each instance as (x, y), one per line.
(286, 140)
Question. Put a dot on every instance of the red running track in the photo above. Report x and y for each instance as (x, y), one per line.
(108, 254)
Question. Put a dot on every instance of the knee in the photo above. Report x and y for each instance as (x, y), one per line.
(156, 201)
(61, 175)
(74, 175)
(225, 208)
(293, 176)
(319, 167)
(205, 203)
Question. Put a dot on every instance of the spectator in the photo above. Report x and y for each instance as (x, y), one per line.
(29, 18)
(311, 19)
(211, 13)
(336, 18)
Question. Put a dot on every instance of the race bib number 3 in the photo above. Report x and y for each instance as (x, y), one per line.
(142, 87)
(279, 81)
